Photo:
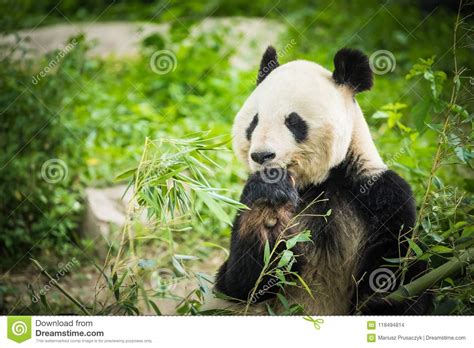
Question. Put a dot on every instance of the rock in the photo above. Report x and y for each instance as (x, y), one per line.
(105, 211)
(112, 38)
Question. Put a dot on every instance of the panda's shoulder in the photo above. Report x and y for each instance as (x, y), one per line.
(389, 194)
(389, 185)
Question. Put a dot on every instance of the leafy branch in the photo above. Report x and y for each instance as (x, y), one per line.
(278, 264)
(424, 282)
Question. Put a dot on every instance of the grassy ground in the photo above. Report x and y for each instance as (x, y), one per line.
(95, 114)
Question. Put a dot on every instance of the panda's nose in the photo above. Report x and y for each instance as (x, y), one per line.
(262, 157)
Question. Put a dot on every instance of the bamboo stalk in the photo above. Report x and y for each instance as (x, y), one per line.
(60, 288)
(130, 208)
(419, 285)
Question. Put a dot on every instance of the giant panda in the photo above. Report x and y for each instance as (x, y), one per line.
(303, 123)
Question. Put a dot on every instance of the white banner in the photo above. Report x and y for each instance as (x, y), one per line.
(381, 331)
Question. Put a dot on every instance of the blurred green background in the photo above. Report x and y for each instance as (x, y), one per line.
(94, 113)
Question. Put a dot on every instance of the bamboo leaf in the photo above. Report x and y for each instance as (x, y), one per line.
(155, 307)
(415, 247)
(126, 174)
(283, 300)
(285, 258)
(441, 249)
(308, 290)
(299, 238)
(214, 207)
(185, 257)
(266, 253)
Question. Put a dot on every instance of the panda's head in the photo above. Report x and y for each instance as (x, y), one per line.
(301, 116)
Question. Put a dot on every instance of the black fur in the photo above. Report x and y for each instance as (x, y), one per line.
(261, 188)
(387, 209)
(238, 275)
(352, 68)
(297, 126)
(251, 127)
(268, 63)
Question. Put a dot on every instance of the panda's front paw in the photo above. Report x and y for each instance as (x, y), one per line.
(273, 186)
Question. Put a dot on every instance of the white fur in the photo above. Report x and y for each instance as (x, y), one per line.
(335, 121)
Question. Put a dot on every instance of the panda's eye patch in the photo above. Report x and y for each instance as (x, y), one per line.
(297, 126)
(252, 127)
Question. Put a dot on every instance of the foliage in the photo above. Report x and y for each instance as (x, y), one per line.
(35, 212)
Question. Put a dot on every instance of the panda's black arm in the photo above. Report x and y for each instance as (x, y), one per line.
(271, 205)
(238, 276)
(390, 214)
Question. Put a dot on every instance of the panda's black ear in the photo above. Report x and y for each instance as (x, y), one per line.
(268, 63)
(352, 68)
